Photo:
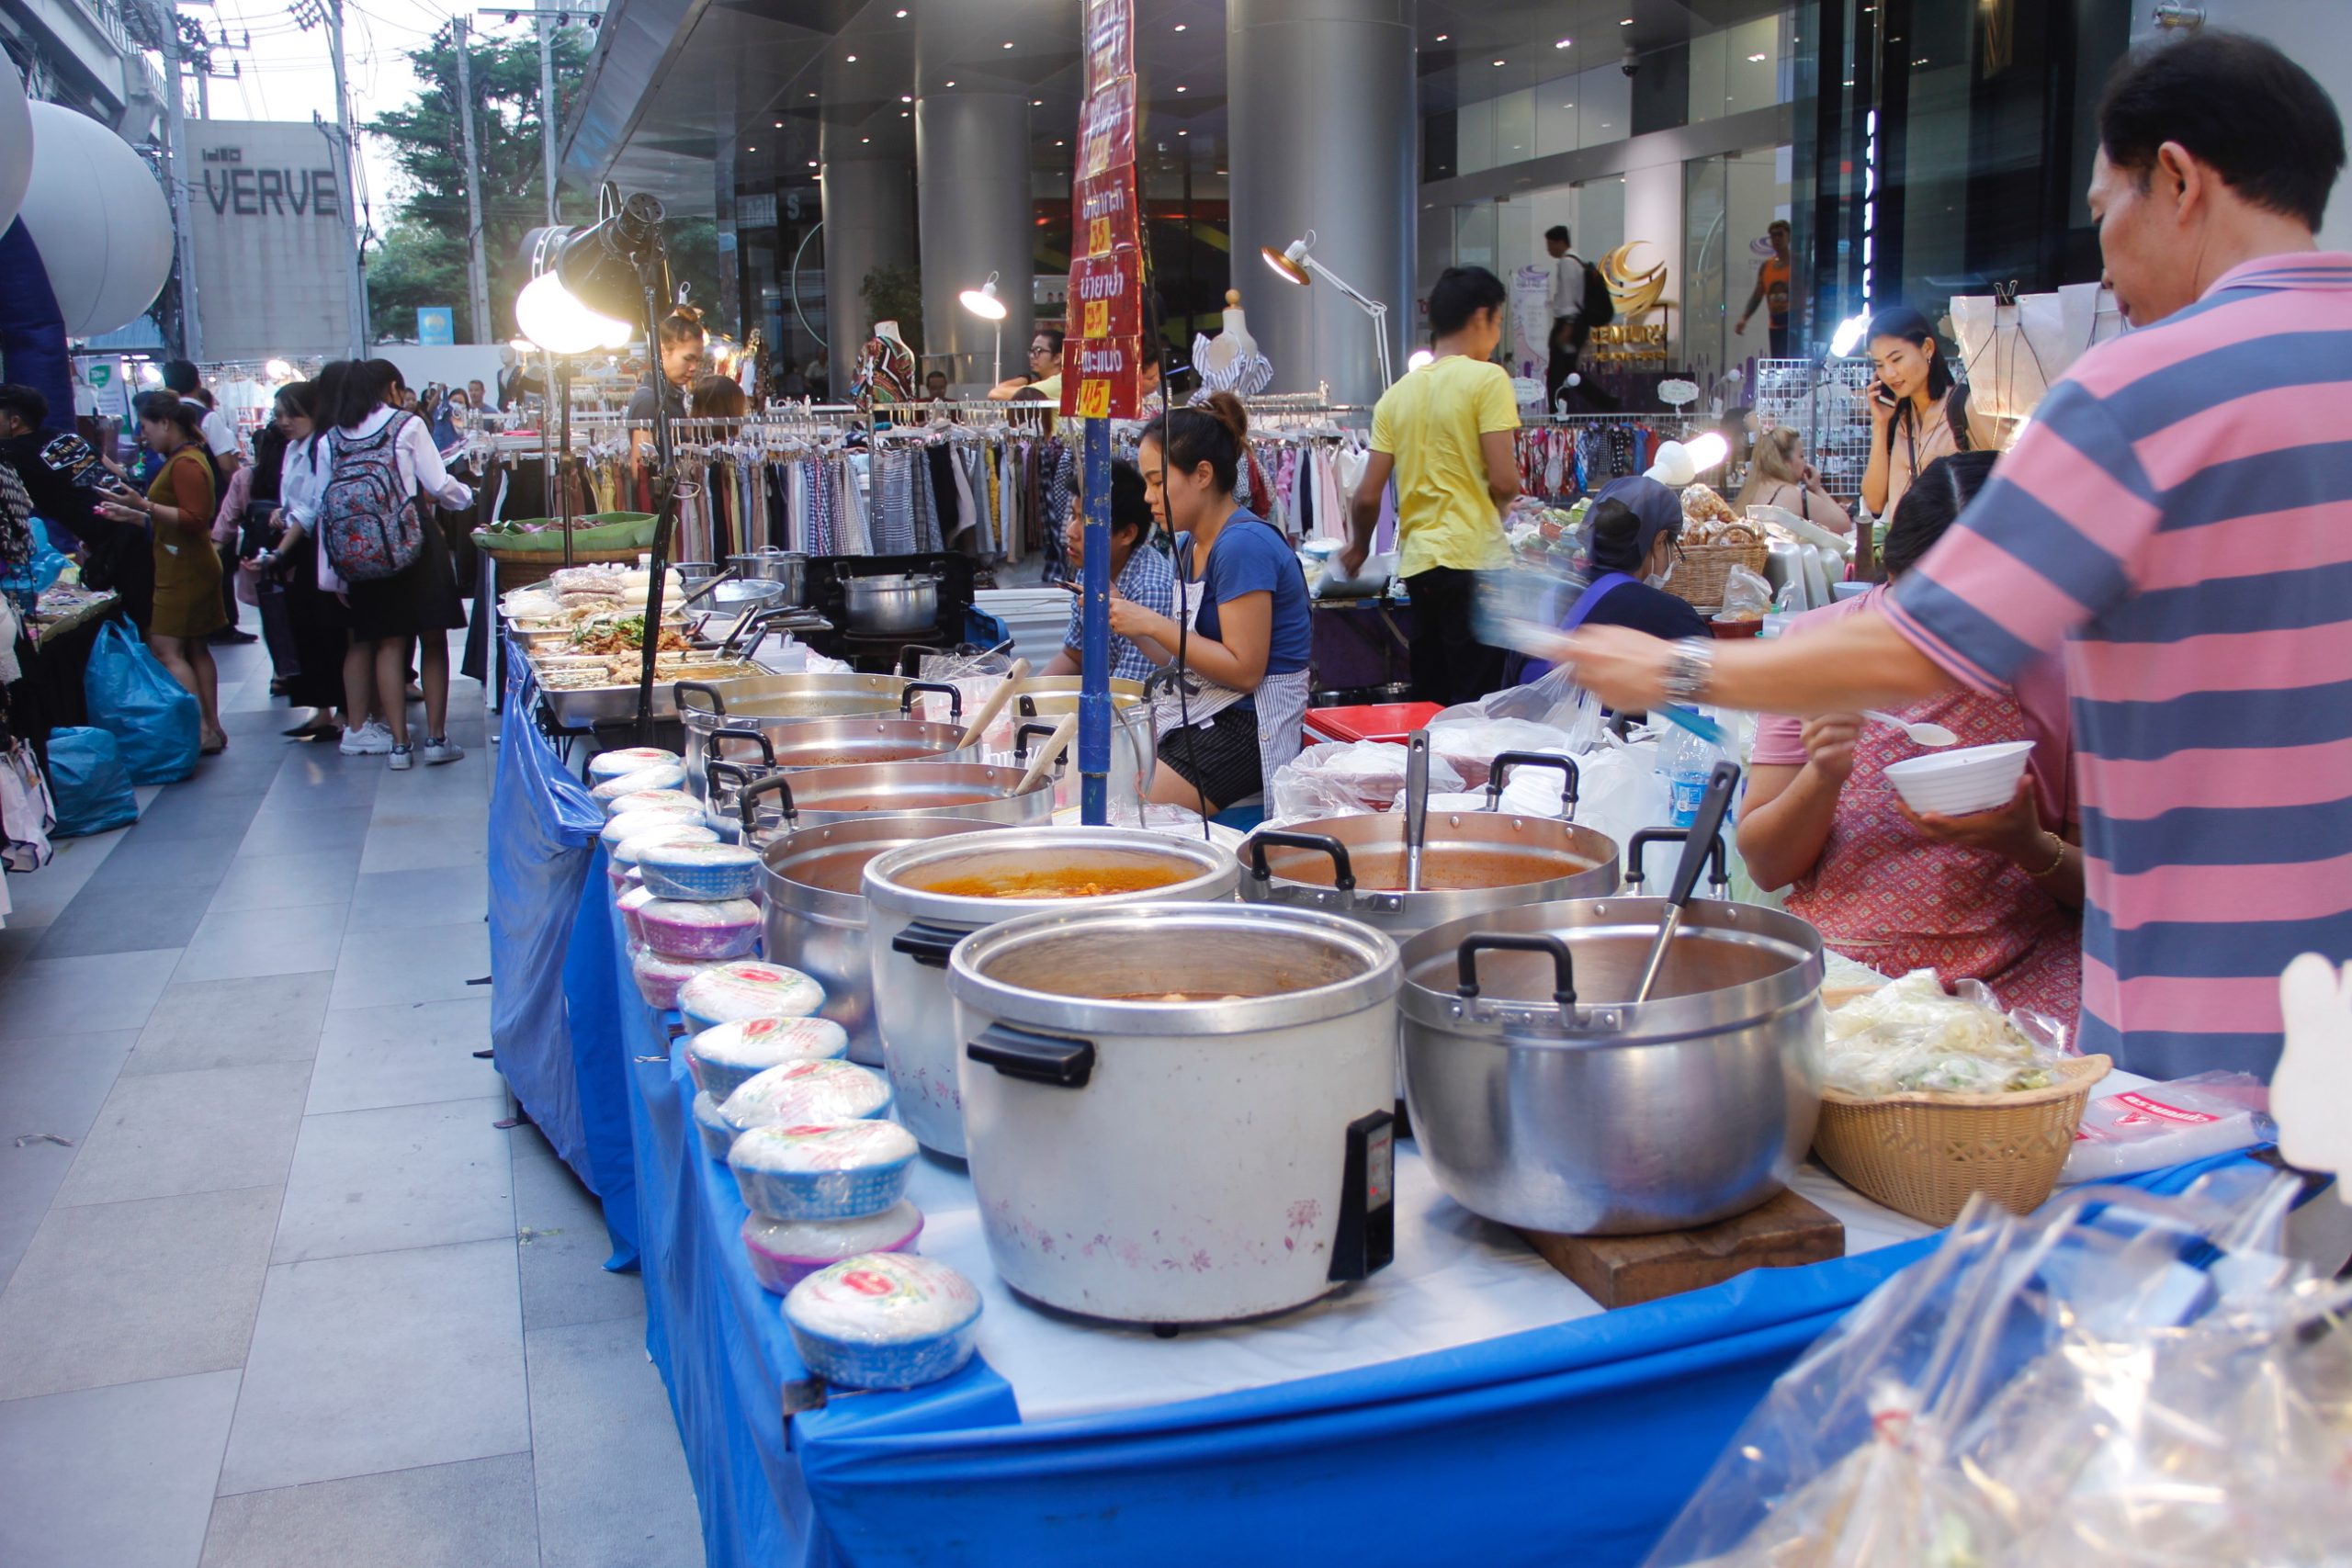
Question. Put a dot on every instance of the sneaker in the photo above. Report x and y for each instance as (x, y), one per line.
(371, 740)
(403, 758)
(230, 635)
(442, 750)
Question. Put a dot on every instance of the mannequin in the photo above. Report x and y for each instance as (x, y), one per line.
(885, 368)
(1230, 362)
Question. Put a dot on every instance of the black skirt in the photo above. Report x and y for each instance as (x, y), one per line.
(1219, 758)
(321, 633)
(421, 597)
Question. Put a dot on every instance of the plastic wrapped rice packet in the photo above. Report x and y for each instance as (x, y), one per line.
(884, 1320)
(808, 1091)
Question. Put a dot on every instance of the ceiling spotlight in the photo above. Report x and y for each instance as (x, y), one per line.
(1498, 62)
(901, 15)
(904, 114)
(1057, 143)
(1180, 27)
(779, 125)
(906, 98)
(863, 140)
(1183, 133)
(1008, 43)
(951, 82)
(1756, 60)
(1563, 43)
(812, 95)
(1626, 23)
(1040, 103)
(812, 162)
(1442, 37)
(1182, 89)
(852, 59)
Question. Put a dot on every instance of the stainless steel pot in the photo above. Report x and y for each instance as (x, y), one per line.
(891, 603)
(1185, 1161)
(726, 719)
(816, 918)
(918, 915)
(1135, 755)
(855, 794)
(1543, 1098)
(1477, 860)
(789, 567)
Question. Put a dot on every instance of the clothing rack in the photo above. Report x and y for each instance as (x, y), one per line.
(1562, 457)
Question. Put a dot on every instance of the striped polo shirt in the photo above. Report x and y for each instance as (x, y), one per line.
(2178, 516)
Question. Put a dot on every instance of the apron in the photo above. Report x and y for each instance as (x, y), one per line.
(1282, 699)
(1884, 895)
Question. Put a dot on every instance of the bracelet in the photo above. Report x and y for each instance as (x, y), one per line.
(1690, 669)
(2052, 869)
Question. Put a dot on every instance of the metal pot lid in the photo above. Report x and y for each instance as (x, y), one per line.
(901, 881)
(1560, 973)
(1244, 969)
(826, 865)
(1549, 851)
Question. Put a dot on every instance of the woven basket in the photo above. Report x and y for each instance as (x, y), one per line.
(1923, 1154)
(522, 568)
(1700, 570)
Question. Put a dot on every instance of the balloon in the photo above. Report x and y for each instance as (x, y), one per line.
(99, 217)
(15, 146)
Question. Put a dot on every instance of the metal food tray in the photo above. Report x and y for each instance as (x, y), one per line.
(581, 708)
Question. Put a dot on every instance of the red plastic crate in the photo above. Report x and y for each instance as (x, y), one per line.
(1371, 721)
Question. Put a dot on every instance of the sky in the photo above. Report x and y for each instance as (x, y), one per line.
(286, 74)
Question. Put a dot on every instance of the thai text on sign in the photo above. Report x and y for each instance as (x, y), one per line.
(1104, 218)
(1101, 378)
(1110, 42)
(1106, 130)
(1106, 295)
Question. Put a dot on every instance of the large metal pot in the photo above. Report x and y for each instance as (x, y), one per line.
(1541, 1098)
(830, 743)
(1187, 1161)
(816, 921)
(891, 603)
(926, 898)
(1471, 860)
(867, 790)
(1135, 754)
(724, 719)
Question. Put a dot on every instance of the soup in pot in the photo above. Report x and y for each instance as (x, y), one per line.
(923, 802)
(1079, 879)
(1382, 870)
(835, 759)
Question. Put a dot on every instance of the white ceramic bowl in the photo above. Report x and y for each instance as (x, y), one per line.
(1957, 783)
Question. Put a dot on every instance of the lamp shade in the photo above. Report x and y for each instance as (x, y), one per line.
(1289, 263)
(983, 301)
(552, 318)
(16, 147)
(599, 264)
(99, 219)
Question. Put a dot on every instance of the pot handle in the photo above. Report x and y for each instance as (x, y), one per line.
(1718, 875)
(1344, 873)
(754, 626)
(735, 773)
(1026, 704)
(1055, 1059)
(1564, 978)
(747, 730)
(1021, 734)
(927, 944)
(955, 698)
(678, 690)
(746, 804)
(1506, 760)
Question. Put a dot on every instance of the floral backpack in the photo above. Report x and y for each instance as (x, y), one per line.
(369, 524)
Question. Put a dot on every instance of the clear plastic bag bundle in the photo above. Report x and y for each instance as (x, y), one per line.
(2120, 1379)
(1909, 1037)
(1746, 597)
(1342, 778)
(2169, 1123)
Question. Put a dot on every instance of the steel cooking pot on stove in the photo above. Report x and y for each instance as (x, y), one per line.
(1543, 1098)
(813, 889)
(923, 898)
(1201, 1135)
(891, 603)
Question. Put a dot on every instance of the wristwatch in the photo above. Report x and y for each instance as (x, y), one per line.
(1690, 670)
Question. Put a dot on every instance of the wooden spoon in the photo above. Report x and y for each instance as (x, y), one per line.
(995, 705)
(1047, 754)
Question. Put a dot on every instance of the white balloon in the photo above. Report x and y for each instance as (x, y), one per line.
(99, 217)
(15, 146)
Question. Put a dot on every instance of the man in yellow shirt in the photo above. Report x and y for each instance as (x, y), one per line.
(1445, 431)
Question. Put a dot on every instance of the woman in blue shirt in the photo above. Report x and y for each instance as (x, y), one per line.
(1247, 645)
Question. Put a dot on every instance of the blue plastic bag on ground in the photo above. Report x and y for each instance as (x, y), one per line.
(151, 716)
(87, 784)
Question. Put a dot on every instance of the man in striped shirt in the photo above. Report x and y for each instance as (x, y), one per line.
(2178, 516)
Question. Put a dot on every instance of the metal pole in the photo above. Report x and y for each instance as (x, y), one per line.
(476, 274)
(547, 103)
(1095, 634)
(183, 218)
(348, 164)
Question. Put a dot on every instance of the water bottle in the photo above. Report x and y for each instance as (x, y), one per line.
(1686, 760)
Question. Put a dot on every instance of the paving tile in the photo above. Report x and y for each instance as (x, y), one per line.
(317, 776)
(307, 831)
(264, 881)
(425, 963)
(210, 806)
(433, 1333)
(84, 995)
(404, 1176)
(238, 944)
(122, 1292)
(563, 1247)
(120, 1477)
(479, 1514)
(53, 1085)
(614, 1491)
(37, 897)
(405, 840)
(234, 1023)
(439, 896)
(160, 1135)
(125, 921)
(166, 860)
(407, 1055)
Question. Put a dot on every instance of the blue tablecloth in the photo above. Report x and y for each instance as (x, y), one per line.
(1576, 1442)
(552, 1022)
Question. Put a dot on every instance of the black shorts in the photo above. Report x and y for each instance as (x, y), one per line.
(1220, 759)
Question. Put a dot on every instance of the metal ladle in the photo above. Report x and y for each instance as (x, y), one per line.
(1417, 806)
(1712, 806)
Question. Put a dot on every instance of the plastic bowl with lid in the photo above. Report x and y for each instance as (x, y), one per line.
(822, 1171)
(884, 1320)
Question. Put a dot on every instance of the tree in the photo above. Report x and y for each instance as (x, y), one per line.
(422, 255)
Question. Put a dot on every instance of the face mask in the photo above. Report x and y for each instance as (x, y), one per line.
(1660, 579)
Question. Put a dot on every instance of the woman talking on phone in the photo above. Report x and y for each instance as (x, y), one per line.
(178, 508)
(1919, 413)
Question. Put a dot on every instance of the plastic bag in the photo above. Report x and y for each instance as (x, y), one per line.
(976, 674)
(1618, 791)
(153, 718)
(1909, 1037)
(1746, 597)
(88, 783)
(1348, 778)
(1552, 699)
(2168, 1124)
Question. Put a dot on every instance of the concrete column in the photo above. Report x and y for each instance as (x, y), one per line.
(972, 185)
(869, 222)
(1324, 119)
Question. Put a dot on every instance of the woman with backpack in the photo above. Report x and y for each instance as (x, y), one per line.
(178, 511)
(387, 549)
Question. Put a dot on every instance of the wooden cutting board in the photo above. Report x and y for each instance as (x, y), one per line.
(1622, 1270)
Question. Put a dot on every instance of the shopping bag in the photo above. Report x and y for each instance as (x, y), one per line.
(153, 718)
(87, 784)
(27, 815)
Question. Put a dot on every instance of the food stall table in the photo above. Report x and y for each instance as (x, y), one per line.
(64, 630)
(1465, 1404)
